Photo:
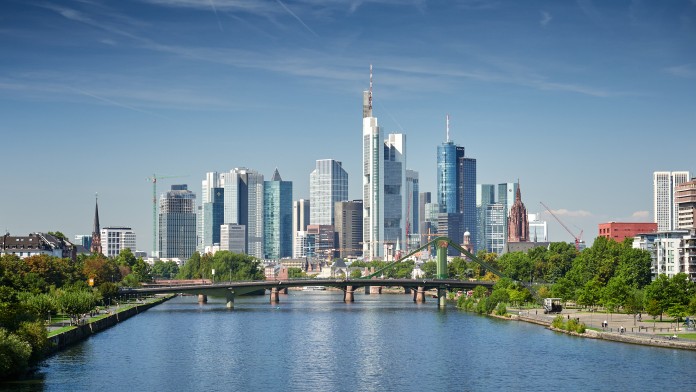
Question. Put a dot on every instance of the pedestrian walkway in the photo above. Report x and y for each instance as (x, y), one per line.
(614, 321)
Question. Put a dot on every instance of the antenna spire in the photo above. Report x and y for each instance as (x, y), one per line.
(448, 137)
(370, 94)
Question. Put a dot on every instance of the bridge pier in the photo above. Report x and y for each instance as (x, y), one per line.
(419, 295)
(441, 297)
(230, 300)
(375, 289)
(274, 295)
(202, 298)
(348, 295)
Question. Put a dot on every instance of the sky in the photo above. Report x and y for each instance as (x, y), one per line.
(578, 100)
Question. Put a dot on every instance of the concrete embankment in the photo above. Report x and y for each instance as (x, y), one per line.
(642, 339)
(62, 340)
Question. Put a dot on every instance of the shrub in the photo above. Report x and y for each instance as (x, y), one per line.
(558, 322)
(14, 354)
(501, 309)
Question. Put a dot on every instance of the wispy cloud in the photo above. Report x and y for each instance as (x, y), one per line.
(115, 103)
(687, 71)
(571, 213)
(640, 214)
(545, 18)
(296, 17)
(212, 4)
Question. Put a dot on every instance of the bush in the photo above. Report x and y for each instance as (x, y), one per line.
(37, 336)
(558, 322)
(14, 354)
(501, 309)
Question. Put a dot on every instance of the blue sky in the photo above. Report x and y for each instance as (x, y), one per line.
(580, 100)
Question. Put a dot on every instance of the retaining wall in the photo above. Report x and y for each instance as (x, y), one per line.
(81, 332)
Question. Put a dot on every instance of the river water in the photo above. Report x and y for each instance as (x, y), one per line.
(312, 341)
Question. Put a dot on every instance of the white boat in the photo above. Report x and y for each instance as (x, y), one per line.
(313, 288)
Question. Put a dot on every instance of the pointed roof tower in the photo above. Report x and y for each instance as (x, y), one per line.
(276, 176)
(96, 230)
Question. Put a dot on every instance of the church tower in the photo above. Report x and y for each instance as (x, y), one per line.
(96, 247)
(518, 225)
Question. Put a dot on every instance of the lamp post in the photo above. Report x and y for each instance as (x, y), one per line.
(213, 271)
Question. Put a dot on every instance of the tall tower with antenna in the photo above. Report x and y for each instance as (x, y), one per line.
(373, 177)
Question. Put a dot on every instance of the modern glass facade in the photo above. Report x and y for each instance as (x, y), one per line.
(494, 228)
(213, 217)
(277, 213)
(456, 185)
(244, 205)
(328, 184)
(177, 223)
(485, 195)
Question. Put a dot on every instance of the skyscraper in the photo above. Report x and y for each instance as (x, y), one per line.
(177, 223)
(412, 210)
(213, 212)
(244, 205)
(456, 185)
(485, 196)
(685, 197)
(384, 185)
(373, 183)
(423, 227)
(328, 184)
(664, 203)
(349, 228)
(212, 180)
(277, 212)
(395, 190)
(300, 220)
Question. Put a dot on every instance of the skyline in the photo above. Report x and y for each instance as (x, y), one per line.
(569, 98)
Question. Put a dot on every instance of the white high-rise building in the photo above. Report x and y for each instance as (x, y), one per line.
(243, 205)
(328, 184)
(538, 230)
(300, 219)
(665, 207)
(373, 181)
(115, 239)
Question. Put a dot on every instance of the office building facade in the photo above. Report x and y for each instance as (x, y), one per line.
(177, 223)
(664, 203)
(349, 228)
(115, 239)
(328, 184)
(277, 207)
(244, 205)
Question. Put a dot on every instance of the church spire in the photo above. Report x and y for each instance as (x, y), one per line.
(96, 231)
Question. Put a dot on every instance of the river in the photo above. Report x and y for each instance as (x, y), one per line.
(312, 341)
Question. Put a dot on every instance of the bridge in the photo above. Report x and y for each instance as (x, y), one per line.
(229, 290)
(442, 282)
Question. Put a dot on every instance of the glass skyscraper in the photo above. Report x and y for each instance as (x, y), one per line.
(244, 205)
(277, 214)
(328, 184)
(213, 217)
(456, 188)
(177, 223)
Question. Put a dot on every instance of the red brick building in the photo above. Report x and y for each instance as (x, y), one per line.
(617, 231)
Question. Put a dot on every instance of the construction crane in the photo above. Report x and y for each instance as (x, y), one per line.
(578, 238)
(153, 180)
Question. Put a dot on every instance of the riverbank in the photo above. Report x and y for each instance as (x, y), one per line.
(99, 323)
(637, 334)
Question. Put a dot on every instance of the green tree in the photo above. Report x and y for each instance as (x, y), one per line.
(34, 333)
(108, 292)
(516, 265)
(430, 269)
(659, 291)
(101, 269)
(76, 303)
(590, 293)
(142, 271)
(678, 312)
(296, 273)
(164, 269)
(126, 258)
(635, 303)
(355, 273)
(654, 309)
(43, 305)
(14, 354)
(564, 289)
